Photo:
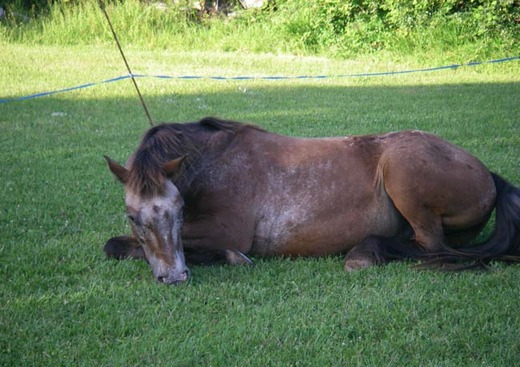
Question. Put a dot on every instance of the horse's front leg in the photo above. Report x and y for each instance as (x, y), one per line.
(213, 239)
(127, 247)
(216, 257)
(124, 247)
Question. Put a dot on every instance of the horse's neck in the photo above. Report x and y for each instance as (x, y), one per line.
(202, 151)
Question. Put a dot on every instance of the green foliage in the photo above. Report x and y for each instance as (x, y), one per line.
(342, 25)
(361, 26)
(342, 28)
(83, 22)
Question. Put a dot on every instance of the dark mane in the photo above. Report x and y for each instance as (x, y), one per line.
(227, 125)
(165, 142)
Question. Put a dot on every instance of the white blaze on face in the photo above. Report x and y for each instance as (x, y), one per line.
(157, 224)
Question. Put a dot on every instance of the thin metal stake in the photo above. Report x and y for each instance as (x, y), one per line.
(126, 63)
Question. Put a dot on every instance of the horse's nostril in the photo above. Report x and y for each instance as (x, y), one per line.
(161, 279)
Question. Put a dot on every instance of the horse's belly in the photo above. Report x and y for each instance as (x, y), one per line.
(321, 197)
(296, 232)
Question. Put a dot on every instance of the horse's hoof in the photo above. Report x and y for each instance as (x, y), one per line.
(235, 257)
(357, 264)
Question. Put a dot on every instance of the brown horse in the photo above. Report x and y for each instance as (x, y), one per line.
(219, 190)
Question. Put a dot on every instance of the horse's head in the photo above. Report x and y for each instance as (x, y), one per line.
(154, 208)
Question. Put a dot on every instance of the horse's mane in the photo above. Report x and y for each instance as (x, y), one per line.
(168, 141)
(227, 125)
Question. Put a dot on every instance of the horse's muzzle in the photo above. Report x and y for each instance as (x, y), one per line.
(175, 279)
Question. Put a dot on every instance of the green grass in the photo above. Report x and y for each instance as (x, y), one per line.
(63, 303)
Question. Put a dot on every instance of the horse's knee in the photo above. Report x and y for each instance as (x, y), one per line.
(123, 247)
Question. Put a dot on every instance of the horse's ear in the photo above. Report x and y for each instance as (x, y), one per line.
(118, 170)
(172, 167)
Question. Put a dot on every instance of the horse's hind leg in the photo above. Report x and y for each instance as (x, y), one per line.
(444, 193)
(365, 254)
(123, 247)
(378, 250)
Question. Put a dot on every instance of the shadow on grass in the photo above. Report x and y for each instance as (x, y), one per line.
(56, 184)
(314, 108)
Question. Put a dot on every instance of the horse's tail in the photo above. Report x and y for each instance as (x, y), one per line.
(502, 245)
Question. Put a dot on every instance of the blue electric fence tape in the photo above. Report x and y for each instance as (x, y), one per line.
(274, 77)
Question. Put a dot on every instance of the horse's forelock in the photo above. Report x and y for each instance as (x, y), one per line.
(146, 177)
(159, 145)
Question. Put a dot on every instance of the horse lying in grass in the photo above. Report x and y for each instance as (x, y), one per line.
(218, 190)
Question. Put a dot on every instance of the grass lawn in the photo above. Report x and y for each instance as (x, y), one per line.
(63, 303)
